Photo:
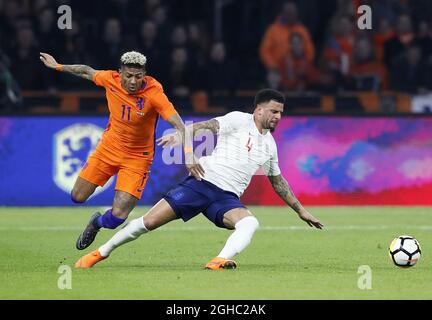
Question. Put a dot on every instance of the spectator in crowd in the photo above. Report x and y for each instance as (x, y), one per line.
(150, 7)
(179, 77)
(39, 5)
(425, 42)
(384, 9)
(75, 48)
(25, 68)
(198, 43)
(75, 51)
(347, 8)
(297, 72)
(10, 95)
(8, 18)
(385, 33)
(121, 8)
(111, 45)
(46, 29)
(220, 74)
(160, 18)
(275, 43)
(148, 45)
(366, 72)
(409, 73)
(404, 37)
(339, 47)
(178, 37)
(425, 39)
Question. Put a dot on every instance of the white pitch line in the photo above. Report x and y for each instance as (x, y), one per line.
(261, 228)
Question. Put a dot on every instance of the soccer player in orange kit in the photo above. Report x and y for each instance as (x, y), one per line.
(135, 102)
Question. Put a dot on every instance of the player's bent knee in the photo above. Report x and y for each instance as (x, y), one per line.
(78, 197)
(254, 222)
(250, 222)
(151, 224)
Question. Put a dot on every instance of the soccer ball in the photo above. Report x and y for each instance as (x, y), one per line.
(405, 251)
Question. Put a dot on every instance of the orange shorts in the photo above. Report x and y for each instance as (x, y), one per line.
(98, 170)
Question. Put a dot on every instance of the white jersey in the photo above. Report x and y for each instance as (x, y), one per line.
(241, 150)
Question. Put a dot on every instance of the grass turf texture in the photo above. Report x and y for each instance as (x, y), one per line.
(286, 259)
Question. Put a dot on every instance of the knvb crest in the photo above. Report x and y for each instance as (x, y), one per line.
(72, 146)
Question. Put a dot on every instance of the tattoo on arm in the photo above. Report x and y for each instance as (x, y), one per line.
(212, 125)
(182, 131)
(283, 189)
(176, 121)
(80, 70)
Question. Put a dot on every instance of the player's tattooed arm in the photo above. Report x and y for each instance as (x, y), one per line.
(170, 140)
(283, 189)
(183, 134)
(78, 70)
(178, 124)
(212, 125)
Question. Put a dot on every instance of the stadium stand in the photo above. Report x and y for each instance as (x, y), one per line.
(213, 57)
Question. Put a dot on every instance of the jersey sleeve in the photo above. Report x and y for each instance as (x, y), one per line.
(271, 167)
(100, 78)
(162, 104)
(231, 122)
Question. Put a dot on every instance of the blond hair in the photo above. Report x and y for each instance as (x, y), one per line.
(133, 57)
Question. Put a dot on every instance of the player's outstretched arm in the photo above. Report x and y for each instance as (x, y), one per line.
(283, 189)
(212, 125)
(171, 140)
(78, 70)
(185, 137)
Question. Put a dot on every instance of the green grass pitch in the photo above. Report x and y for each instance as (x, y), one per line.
(286, 259)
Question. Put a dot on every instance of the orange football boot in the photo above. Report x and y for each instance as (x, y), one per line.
(89, 260)
(220, 263)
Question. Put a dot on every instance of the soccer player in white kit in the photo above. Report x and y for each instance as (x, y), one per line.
(244, 145)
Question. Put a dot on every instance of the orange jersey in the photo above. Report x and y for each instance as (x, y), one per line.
(133, 118)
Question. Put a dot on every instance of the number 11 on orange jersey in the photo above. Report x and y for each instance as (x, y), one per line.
(128, 112)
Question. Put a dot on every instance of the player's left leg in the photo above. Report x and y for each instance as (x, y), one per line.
(245, 225)
(160, 214)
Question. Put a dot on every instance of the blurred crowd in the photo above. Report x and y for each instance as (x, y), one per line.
(296, 46)
(396, 54)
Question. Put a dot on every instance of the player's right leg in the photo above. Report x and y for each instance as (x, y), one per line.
(244, 224)
(160, 214)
